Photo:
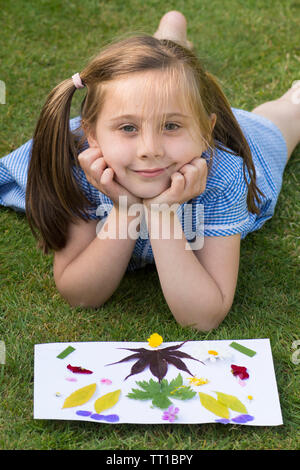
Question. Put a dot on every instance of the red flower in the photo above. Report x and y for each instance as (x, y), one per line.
(240, 371)
(78, 370)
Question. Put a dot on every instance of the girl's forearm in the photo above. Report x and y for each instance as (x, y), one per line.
(93, 276)
(191, 293)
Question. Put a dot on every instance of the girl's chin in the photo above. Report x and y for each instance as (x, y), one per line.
(146, 192)
(149, 194)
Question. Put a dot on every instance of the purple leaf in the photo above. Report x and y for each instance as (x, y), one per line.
(127, 358)
(178, 363)
(138, 367)
(158, 366)
(183, 355)
(138, 350)
(172, 348)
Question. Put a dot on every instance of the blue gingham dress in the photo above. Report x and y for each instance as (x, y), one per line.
(221, 210)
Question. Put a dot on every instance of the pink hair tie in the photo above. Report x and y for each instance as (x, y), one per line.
(77, 81)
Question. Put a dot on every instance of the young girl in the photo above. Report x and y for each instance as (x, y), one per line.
(156, 129)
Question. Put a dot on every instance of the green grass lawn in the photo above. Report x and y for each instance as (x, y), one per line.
(253, 48)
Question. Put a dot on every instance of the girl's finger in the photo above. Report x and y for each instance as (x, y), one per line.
(97, 167)
(178, 179)
(107, 176)
(88, 156)
(201, 163)
(197, 162)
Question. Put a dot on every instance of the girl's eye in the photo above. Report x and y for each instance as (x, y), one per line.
(129, 129)
(171, 126)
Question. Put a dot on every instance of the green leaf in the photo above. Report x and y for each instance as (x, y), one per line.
(232, 402)
(137, 394)
(177, 382)
(213, 405)
(159, 392)
(184, 393)
(161, 401)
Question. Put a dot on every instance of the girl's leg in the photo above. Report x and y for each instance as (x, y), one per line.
(173, 26)
(284, 112)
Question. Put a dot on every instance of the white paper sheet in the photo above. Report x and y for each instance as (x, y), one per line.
(53, 382)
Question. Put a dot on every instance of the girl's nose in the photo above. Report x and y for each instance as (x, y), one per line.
(150, 146)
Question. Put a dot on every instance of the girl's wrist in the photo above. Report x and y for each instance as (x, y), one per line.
(124, 224)
(163, 224)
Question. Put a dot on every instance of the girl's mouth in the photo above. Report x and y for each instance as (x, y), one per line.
(151, 173)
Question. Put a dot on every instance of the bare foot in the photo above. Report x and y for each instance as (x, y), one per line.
(293, 94)
(173, 26)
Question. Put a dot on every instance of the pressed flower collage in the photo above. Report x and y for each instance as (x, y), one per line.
(226, 382)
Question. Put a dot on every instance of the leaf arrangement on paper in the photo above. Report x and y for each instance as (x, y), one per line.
(227, 382)
(157, 360)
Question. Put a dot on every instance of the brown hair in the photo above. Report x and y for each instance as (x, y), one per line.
(53, 196)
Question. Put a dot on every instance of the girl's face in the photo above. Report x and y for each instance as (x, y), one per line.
(130, 135)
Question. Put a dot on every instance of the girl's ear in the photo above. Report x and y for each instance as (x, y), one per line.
(91, 138)
(92, 141)
(213, 119)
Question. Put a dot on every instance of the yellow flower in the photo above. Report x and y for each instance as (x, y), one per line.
(155, 340)
(213, 352)
(250, 397)
(198, 382)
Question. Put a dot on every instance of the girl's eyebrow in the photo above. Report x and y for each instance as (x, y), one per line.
(133, 117)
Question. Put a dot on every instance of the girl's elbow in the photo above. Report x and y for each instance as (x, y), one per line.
(205, 322)
(74, 300)
(84, 304)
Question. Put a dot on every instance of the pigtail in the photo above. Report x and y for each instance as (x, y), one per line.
(228, 136)
(53, 197)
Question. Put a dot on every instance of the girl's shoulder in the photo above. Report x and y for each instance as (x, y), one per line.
(224, 169)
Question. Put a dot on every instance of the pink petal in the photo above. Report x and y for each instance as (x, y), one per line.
(106, 381)
(241, 382)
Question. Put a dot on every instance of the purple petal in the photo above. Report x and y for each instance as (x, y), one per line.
(171, 409)
(241, 419)
(112, 418)
(223, 421)
(97, 416)
(83, 413)
(108, 418)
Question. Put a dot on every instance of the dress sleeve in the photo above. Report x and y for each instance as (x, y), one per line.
(100, 205)
(224, 202)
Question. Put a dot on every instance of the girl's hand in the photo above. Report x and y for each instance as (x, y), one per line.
(187, 183)
(102, 177)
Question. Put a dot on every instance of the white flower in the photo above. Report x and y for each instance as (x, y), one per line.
(212, 352)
